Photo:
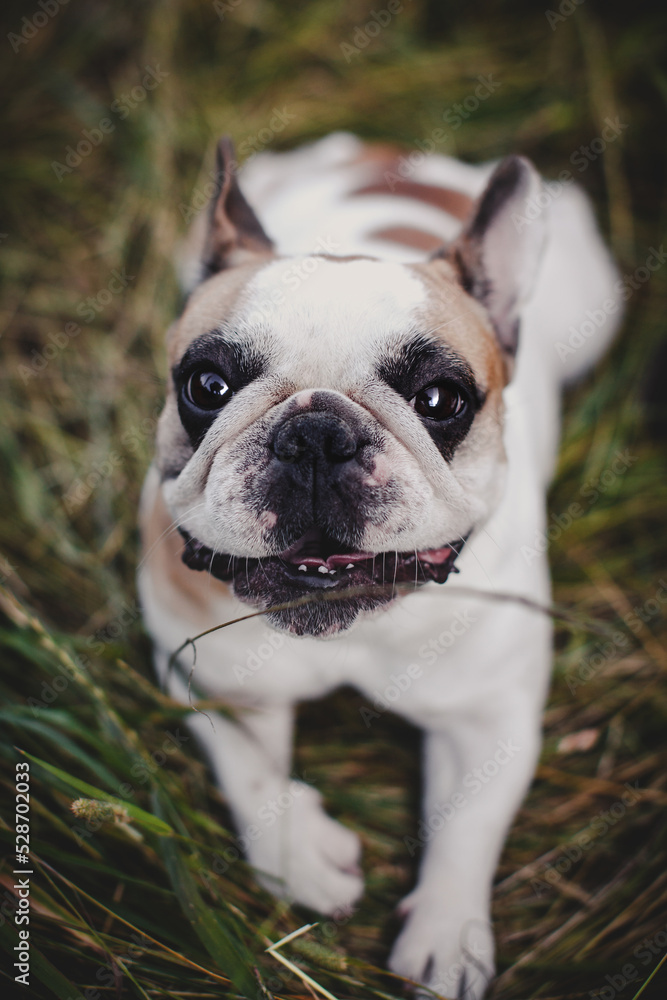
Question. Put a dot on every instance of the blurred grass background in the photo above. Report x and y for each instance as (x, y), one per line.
(129, 907)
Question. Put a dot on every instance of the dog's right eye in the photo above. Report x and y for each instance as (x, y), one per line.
(207, 390)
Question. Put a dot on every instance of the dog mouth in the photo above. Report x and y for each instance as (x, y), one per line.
(317, 561)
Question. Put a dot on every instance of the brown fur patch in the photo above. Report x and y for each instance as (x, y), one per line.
(455, 203)
(472, 336)
(210, 304)
(383, 153)
(409, 237)
(180, 591)
(344, 259)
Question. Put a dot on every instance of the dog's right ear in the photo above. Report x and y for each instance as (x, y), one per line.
(498, 260)
(234, 232)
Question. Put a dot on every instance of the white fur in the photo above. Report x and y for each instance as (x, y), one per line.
(324, 335)
(487, 686)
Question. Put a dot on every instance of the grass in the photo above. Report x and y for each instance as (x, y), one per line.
(152, 901)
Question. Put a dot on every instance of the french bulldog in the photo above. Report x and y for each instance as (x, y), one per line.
(363, 396)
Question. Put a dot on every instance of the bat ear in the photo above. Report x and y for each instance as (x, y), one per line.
(497, 255)
(234, 232)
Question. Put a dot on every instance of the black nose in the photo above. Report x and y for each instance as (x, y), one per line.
(315, 436)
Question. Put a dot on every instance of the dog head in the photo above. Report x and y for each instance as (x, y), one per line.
(333, 425)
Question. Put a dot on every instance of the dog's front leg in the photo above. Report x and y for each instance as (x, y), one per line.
(477, 769)
(298, 851)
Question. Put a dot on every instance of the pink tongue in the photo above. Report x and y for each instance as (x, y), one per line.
(345, 558)
(436, 556)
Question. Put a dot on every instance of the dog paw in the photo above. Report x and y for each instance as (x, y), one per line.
(452, 956)
(310, 858)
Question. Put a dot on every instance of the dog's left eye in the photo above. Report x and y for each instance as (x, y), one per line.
(207, 390)
(440, 401)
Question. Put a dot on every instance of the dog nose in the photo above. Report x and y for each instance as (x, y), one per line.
(315, 436)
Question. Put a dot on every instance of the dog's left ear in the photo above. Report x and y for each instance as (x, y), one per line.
(234, 231)
(498, 253)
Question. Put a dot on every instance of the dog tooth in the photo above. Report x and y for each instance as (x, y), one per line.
(350, 566)
(303, 569)
(322, 569)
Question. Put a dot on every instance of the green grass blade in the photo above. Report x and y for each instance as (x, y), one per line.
(142, 817)
(227, 950)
